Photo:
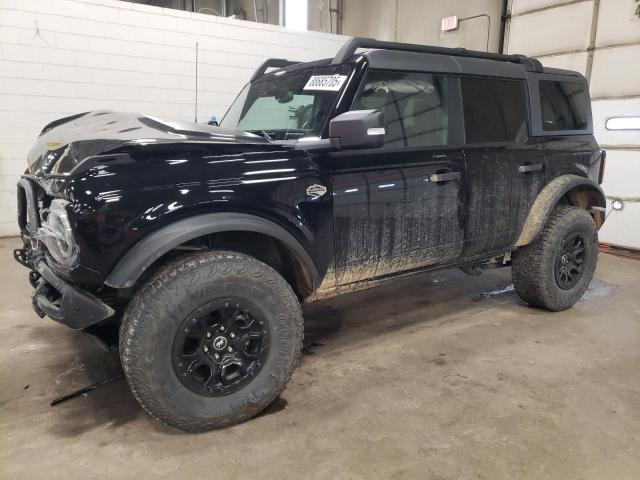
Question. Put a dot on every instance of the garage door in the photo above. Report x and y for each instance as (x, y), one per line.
(600, 39)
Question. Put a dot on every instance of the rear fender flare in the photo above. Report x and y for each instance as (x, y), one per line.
(583, 192)
(144, 253)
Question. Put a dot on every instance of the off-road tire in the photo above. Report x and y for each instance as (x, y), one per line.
(533, 265)
(156, 312)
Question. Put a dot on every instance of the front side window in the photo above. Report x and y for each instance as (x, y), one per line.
(494, 110)
(565, 105)
(414, 106)
(288, 106)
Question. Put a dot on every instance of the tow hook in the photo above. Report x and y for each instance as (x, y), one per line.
(40, 289)
(33, 278)
(20, 256)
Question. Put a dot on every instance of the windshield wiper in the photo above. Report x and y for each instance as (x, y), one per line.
(263, 133)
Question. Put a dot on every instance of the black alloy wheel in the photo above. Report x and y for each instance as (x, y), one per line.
(569, 261)
(220, 347)
(211, 339)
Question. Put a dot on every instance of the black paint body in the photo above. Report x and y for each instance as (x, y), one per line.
(128, 176)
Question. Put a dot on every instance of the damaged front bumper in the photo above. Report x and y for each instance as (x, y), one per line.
(62, 301)
(58, 299)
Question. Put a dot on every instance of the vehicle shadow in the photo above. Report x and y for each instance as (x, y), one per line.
(79, 362)
(422, 300)
(345, 320)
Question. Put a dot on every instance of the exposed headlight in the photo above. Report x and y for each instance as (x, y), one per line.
(57, 236)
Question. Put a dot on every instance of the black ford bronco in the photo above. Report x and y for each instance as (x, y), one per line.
(191, 247)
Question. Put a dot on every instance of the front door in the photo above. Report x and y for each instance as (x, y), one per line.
(400, 208)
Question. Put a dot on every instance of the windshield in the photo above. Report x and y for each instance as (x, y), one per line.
(288, 106)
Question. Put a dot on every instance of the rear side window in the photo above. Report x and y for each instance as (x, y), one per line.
(565, 105)
(494, 110)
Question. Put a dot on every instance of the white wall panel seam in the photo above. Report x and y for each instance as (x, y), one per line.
(550, 7)
(595, 49)
(617, 45)
(102, 84)
(129, 44)
(124, 69)
(233, 89)
(592, 37)
(530, 34)
(194, 36)
(191, 16)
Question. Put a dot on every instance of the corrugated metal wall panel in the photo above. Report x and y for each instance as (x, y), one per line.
(519, 7)
(568, 61)
(616, 72)
(562, 29)
(621, 228)
(561, 35)
(604, 109)
(617, 23)
(622, 173)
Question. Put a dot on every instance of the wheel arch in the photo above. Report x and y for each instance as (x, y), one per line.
(566, 189)
(148, 251)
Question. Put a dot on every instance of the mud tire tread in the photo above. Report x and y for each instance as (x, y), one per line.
(532, 264)
(177, 279)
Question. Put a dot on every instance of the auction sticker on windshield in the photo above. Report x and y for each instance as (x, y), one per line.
(331, 83)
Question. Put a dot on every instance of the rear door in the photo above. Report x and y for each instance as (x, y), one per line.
(504, 164)
(399, 208)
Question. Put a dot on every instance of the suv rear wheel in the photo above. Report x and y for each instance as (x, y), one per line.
(211, 340)
(554, 270)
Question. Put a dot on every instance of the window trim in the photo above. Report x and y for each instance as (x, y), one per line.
(536, 106)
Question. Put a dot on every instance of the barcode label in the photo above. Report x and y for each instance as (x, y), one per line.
(331, 83)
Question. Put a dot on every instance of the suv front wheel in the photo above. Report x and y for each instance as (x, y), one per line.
(554, 270)
(211, 340)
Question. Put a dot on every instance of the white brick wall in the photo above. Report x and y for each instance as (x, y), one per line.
(59, 57)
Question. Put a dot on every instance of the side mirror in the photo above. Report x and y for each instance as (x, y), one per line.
(358, 129)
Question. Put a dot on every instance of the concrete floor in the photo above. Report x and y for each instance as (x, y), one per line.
(440, 377)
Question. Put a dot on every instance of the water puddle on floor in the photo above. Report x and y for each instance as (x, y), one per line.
(599, 288)
(500, 291)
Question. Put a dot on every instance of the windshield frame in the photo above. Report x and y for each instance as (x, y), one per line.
(320, 129)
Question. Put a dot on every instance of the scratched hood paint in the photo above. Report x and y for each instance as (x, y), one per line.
(65, 143)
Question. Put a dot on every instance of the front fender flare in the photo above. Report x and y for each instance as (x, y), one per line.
(142, 255)
(574, 185)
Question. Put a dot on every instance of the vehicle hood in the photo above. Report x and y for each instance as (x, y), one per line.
(66, 142)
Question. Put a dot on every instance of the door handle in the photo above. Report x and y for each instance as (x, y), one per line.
(444, 177)
(536, 167)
